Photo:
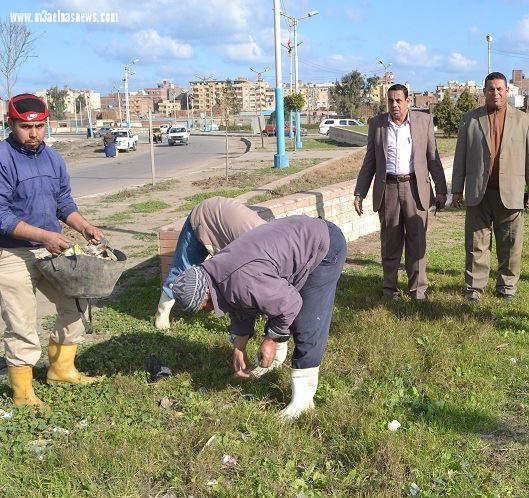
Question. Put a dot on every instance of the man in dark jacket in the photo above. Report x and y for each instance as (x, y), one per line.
(34, 195)
(286, 270)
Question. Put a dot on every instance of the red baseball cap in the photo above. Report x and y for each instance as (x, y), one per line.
(27, 107)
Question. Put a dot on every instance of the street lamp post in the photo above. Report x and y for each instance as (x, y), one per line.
(291, 117)
(385, 82)
(489, 46)
(295, 22)
(280, 158)
(187, 107)
(204, 79)
(88, 114)
(126, 81)
(258, 88)
(119, 105)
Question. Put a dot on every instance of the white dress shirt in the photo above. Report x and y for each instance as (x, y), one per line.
(399, 157)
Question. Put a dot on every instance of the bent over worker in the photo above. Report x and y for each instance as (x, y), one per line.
(34, 195)
(210, 226)
(287, 270)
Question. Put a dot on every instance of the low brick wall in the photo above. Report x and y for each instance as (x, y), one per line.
(334, 203)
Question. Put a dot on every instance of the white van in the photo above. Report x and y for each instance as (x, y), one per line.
(327, 123)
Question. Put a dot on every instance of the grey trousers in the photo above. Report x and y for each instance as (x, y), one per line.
(403, 225)
(481, 220)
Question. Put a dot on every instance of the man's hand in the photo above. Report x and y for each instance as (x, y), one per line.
(358, 205)
(55, 242)
(241, 367)
(267, 352)
(457, 200)
(92, 234)
(440, 201)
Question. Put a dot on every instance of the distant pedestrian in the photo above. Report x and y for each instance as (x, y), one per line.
(109, 141)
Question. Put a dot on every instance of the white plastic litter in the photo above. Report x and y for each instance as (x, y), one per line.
(5, 415)
(393, 425)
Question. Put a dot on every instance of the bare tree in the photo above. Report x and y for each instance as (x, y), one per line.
(16, 46)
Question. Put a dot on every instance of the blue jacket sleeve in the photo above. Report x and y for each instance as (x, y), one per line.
(65, 203)
(8, 220)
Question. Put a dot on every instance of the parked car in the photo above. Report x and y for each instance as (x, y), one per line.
(270, 130)
(178, 135)
(327, 123)
(156, 135)
(125, 140)
(164, 127)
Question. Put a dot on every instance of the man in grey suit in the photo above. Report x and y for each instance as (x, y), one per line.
(402, 155)
(491, 163)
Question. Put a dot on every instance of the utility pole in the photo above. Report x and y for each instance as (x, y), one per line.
(119, 105)
(204, 79)
(128, 72)
(280, 158)
(258, 89)
(385, 82)
(151, 143)
(291, 90)
(489, 46)
(295, 22)
(88, 114)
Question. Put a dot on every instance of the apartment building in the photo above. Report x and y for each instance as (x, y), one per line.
(519, 80)
(93, 99)
(251, 96)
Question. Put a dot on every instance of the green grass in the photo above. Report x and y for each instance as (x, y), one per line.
(149, 206)
(192, 200)
(446, 146)
(146, 236)
(453, 374)
(132, 193)
(118, 218)
(318, 144)
(243, 181)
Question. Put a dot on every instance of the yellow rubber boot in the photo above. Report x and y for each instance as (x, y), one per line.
(62, 368)
(21, 380)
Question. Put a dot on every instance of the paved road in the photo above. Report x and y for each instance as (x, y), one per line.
(134, 168)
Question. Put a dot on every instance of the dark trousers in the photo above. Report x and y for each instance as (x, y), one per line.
(403, 225)
(310, 329)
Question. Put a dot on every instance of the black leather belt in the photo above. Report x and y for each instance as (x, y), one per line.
(399, 178)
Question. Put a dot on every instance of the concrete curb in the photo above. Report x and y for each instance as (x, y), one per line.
(287, 179)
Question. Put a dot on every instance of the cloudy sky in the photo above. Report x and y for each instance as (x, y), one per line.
(426, 42)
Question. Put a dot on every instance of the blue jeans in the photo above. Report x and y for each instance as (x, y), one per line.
(189, 251)
(310, 329)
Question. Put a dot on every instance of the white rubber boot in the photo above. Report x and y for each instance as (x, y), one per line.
(304, 385)
(165, 305)
(279, 359)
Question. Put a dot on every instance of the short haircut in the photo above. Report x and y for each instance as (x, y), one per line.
(496, 76)
(396, 87)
